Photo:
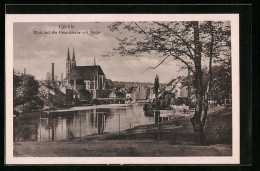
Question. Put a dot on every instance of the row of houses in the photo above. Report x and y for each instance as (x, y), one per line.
(178, 86)
(140, 94)
(89, 82)
(181, 89)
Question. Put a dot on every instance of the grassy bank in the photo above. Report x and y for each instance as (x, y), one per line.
(174, 138)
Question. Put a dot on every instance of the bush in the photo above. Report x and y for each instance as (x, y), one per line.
(147, 107)
(95, 101)
(26, 94)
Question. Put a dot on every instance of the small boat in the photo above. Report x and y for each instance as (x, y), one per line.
(151, 112)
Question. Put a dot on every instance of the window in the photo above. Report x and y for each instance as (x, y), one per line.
(87, 85)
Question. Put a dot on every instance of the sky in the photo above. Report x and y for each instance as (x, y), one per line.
(36, 52)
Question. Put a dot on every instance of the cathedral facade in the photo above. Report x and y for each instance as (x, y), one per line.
(84, 80)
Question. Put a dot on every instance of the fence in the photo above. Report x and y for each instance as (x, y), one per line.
(55, 126)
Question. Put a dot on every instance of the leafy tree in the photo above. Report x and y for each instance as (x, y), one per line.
(52, 101)
(109, 84)
(221, 83)
(156, 85)
(182, 41)
(217, 47)
(25, 92)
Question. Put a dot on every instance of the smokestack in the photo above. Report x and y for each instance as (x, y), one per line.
(24, 71)
(61, 78)
(52, 74)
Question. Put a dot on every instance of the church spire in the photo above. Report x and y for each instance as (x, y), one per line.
(68, 56)
(73, 62)
(73, 56)
(68, 63)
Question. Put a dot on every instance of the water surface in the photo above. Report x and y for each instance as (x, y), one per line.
(78, 122)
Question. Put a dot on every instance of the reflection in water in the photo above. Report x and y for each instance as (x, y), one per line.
(73, 124)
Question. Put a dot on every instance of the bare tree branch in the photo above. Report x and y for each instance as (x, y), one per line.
(185, 42)
(139, 27)
(159, 63)
(185, 62)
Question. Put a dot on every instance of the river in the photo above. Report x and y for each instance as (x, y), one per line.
(78, 122)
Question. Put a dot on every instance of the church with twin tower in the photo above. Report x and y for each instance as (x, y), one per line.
(84, 79)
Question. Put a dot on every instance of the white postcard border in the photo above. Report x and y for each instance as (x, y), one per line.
(11, 18)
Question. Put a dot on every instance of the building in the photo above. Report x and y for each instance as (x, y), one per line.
(170, 85)
(180, 88)
(175, 86)
(151, 94)
(116, 95)
(184, 92)
(177, 89)
(139, 93)
(129, 93)
(84, 80)
(173, 83)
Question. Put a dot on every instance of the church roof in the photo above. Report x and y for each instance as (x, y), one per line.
(85, 72)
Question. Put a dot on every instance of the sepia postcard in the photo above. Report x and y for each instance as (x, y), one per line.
(122, 89)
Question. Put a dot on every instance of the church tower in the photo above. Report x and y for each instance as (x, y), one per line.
(73, 62)
(68, 64)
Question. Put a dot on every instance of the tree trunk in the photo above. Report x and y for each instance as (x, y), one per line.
(206, 98)
(196, 119)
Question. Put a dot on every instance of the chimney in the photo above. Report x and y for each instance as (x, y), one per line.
(24, 71)
(52, 74)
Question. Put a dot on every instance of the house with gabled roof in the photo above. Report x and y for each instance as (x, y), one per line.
(172, 84)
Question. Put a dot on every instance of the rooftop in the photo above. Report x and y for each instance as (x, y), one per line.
(85, 72)
(170, 83)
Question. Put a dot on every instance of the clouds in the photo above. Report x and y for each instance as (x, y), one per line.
(36, 52)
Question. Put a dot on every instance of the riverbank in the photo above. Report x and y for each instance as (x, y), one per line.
(73, 108)
(174, 138)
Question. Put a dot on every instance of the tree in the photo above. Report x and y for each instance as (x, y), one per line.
(48, 81)
(182, 41)
(156, 85)
(216, 44)
(109, 84)
(221, 82)
(26, 94)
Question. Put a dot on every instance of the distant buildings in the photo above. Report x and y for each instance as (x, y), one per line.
(140, 94)
(172, 84)
(85, 83)
(116, 95)
(179, 87)
(151, 94)
(129, 94)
